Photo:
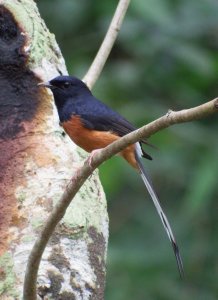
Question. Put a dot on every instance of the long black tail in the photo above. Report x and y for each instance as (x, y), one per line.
(162, 215)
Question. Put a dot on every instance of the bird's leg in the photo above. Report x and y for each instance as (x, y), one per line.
(92, 154)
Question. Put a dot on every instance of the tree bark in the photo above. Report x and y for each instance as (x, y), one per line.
(36, 162)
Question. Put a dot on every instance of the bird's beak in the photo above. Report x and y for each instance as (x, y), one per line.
(45, 84)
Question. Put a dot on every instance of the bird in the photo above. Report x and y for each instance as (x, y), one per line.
(93, 125)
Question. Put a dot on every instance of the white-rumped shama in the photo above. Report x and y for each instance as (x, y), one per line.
(93, 125)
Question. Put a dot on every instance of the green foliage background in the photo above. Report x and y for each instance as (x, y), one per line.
(166, 57)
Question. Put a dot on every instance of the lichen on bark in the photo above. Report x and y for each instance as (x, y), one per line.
(37, 163)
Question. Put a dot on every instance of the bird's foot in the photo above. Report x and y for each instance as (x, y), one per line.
(90, 158)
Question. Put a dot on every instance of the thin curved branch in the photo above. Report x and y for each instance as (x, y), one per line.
(101, 57)
(85, 171)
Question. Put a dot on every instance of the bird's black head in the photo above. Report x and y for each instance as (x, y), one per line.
(68, 85)
(67, 91)
(65, 88)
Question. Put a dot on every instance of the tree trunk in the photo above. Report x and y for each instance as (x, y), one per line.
(36, 162)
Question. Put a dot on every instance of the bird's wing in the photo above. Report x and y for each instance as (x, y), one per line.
(119, 126)
(113, 123)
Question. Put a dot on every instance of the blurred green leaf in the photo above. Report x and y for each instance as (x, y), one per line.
(204, 182)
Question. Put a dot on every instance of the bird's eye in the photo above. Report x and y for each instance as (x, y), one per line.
(66, 84)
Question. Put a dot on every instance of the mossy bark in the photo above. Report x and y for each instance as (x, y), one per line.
(36, 162)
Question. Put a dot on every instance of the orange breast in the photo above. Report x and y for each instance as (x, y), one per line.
(90, 140)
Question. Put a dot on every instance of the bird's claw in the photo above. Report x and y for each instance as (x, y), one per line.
(90, 158)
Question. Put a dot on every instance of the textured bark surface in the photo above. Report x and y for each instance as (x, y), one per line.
(35, 163)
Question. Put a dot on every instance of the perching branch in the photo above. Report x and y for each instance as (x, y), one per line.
(101, 57)
(85, 171)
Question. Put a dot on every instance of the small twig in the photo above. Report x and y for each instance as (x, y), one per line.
(85, 171)
(101, 57)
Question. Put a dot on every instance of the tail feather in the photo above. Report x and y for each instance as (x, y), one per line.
(162, 215)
